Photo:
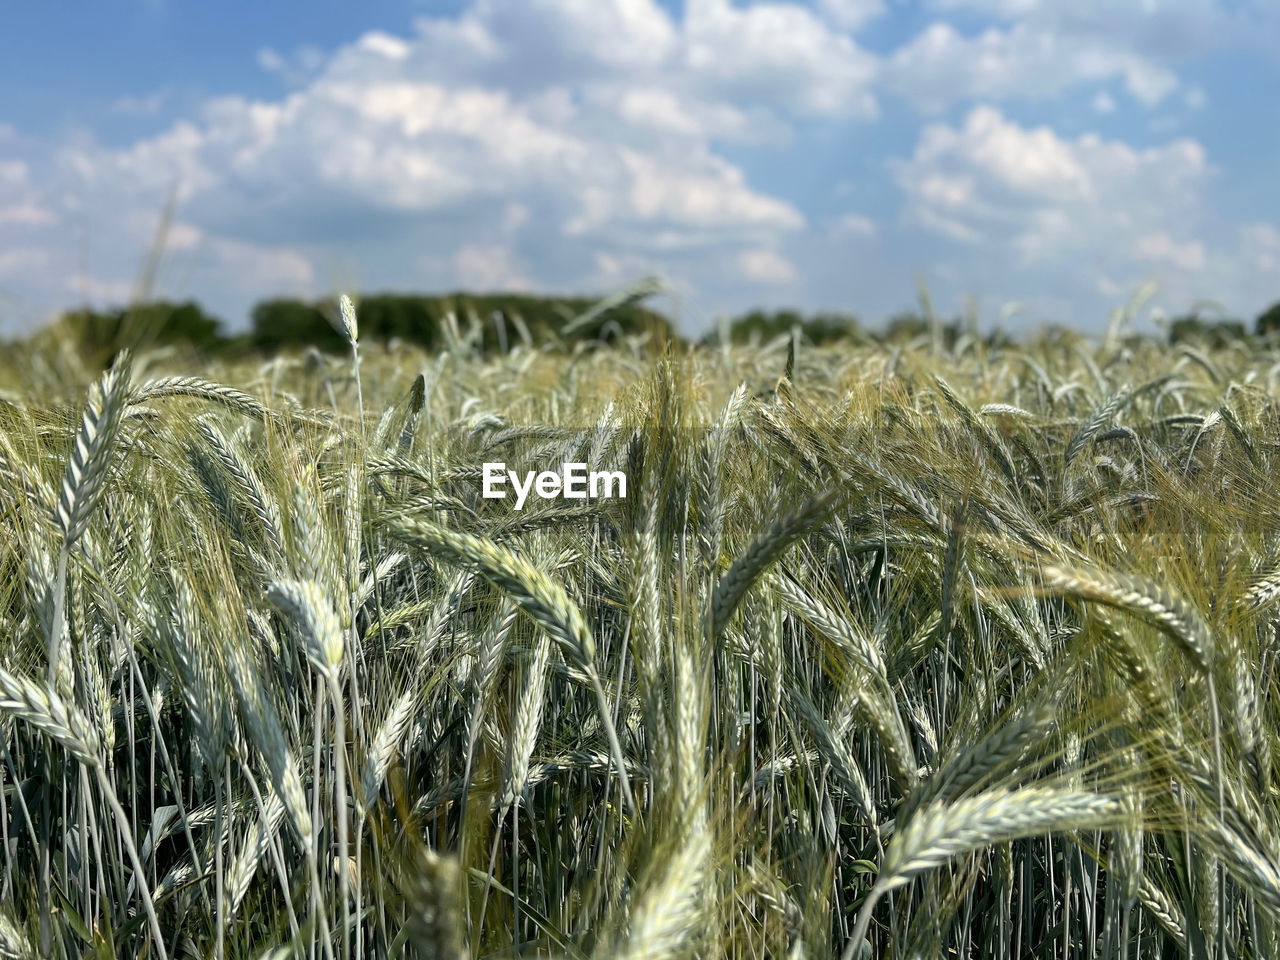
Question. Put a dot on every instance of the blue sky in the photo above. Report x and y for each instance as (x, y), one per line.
(1046, 158)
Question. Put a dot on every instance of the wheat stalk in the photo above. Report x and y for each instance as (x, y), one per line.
(435, 925)
(946, 830)
(535, 593)
(202, 389)
(306, 604)
(83, 481)
(1173, 615)
(45, 710)
(763, 550)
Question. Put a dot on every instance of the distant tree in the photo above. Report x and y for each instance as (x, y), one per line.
(1217, 334)
(420, 319)
(284, 322)
(998, 339)
(99, 335)
(1269, 320)
(909, 325)
(95, 334)
(905, 326)
(183, 323)
(760, 325)
(829, 327)
(415, 319)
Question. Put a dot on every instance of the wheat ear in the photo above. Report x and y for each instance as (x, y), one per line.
(1173, 615)
(82, 486)
(311, 611)
(943, 831)
(82, 483)
(767, 547)
(264, 507)
(203, 389)
(535, 593)
(46, 712)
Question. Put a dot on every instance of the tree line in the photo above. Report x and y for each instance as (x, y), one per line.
(504, 320)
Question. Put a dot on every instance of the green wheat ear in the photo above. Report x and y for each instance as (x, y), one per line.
(767, 546)
(1161, 605)
(347, 314)
(87, 467)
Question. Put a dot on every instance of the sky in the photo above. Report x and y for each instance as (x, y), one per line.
(1034, 160)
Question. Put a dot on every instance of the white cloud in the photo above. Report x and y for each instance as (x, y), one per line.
(106, 291)
(490, 267)
(518, 143)
(384, 45)
(18, 204)
(852, 14)
(855, 225)
(777, 52)
(708, 193)
(571, 144)
(296, 68)
(1048, 196)
(766, 266)
(25, 212)
(1159, 29)
(1159, 247)
(193, 257)
(13, 174)
(776, 56)
(253, 268)
(67, 237)
(941, 66)
(1040, 48)
(593, 29)
(1261, 245)
(666, 113)
(16, 262)
(1033, 215)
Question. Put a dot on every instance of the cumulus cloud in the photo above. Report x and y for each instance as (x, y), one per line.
(1261, 246)
(854, 225)
(777, 51)
(766, 266)
(491, 267)
(147, 106)
(247, 267)
(1038, 213)
(852, 14)
(778, 55)
(517, 143)
(294, 68)
(17, 205)
(1164, 30)
(1040, 48)
(992, 180)
(1159, 247)
(942, 66)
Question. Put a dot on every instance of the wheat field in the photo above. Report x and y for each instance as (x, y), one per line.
(910, 651)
